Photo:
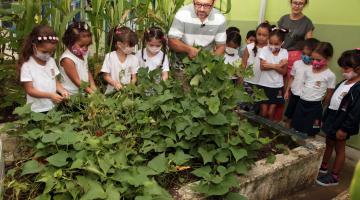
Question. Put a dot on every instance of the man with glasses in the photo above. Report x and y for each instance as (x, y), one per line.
(197, 25)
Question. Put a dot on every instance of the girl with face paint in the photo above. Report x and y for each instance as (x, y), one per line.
(74, 67)
(342, 117)
(120, 65)
(319, 84)
(38, 70)
(153, 55)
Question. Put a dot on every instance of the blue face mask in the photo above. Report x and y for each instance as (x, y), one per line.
(306, 59)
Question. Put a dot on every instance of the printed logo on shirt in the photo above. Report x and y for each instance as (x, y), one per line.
(317, 84)
(317, 124)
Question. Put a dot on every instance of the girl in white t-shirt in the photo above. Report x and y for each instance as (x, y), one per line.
(154, 56)
(38, 70)
(273, 65)
(319, 84)
(74, 67)
(296, 78)
(120, 66)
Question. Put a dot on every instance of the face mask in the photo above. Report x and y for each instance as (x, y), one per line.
(42, 56)
(128, 50)
(306, 59)
(350, 75)
(79, 51)
(274, 48)
(153, 50)
(231, 51)
(319, 64)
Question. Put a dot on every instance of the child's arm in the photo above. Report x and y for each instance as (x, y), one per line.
(165, 75)
(60, 89)
(328, 96)
(92, 82)
(133, 79)
(287, 92)
(245, 58)
(112, 82)
(70, 70)
(30, 90)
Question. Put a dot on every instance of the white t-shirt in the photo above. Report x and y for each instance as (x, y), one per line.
(231, 59)
(316, 85)
(82, 69)
(339, 94)
(118, 71)
(153, 62)
(254, 61)
(298, 72)
(43, 78)
(271, 78)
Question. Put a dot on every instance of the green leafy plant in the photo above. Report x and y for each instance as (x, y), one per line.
(355, 185)
(122, 146)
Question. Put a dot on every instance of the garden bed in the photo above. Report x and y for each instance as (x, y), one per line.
(290, 172)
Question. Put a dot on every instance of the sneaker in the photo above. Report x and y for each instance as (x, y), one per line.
(323, 170)
(327, 180)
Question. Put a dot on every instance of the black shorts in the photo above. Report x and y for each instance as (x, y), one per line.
(293, 101)
(328, 122)
(307, 117)
(274, 95)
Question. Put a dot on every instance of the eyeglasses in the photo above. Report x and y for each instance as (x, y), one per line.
(200, 5)
(298, 4)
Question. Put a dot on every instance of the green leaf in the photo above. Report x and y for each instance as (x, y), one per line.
(59, 159)
(159, 163)
(132, 176)
(92, 188)
(271, 159)
(238, 153)
(214, 104)
(241, 168)
(195, 81)
(207, 156)
(32, 167)
(197, 112)
(112, 193)
(43, 197)
(203, 172)
(49, 138)
(222, 156)
(180, 157)
(211, 189)
(218, 119)
(68, 138)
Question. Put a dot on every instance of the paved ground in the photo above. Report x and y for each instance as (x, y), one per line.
(316, 192)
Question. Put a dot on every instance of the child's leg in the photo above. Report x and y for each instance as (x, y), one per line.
(264, 110)
(340, 156)
(270, 112)
(330, 144)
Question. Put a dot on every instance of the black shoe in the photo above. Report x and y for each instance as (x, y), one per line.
(327, 180)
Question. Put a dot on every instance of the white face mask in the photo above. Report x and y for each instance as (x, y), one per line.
(350, 75)
(153, 50)
(274, 48)
(231, 51)
(42, 56)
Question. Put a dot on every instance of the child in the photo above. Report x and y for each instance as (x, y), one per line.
(73, 62)
(152, 56)
(341, 119)
(251, 54)
(319, 83)
(120, 66)
(250, 38)
(38, 70)
(233, 42)
(296, 80)
(273, 65)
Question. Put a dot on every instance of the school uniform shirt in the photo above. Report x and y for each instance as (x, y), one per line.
(43, 78)
(271, 78)
(82, 69)
(231, 59)
(153, 62)
(316, 85)
(254, 61)
(298, 72)
(118, 71)
(339, 94)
